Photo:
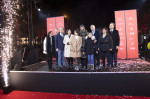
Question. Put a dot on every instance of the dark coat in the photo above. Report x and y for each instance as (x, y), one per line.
(89, 46)
(59, 42)
(51, 48)
(105, 44)
(116, 40)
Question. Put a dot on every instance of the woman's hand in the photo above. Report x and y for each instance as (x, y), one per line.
(96, 52)
(117, 47)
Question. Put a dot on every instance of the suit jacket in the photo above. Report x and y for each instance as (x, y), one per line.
(59, 42)
(51, 48)
(116, 40)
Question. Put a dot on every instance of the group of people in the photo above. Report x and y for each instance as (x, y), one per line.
(82, 47)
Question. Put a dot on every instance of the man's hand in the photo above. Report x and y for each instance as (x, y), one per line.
(95, 41)
(96, 52)
(117, 47)
(73, 50)
(57, 49)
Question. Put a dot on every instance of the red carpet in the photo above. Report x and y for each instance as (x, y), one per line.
(41, 95)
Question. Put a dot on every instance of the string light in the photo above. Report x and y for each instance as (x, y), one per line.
(9, 8)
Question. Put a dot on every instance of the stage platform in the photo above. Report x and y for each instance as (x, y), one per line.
(130, 78)
(92, 83)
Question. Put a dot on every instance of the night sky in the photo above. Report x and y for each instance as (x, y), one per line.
(87, 12)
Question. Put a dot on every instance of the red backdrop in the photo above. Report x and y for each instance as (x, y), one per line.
(126, 24)
(120, 26)
(55, 22)
(132, 33)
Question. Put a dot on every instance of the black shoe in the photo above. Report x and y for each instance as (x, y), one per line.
(112, 66)
(51, 69)
(71, 65)
(83, 67)
(56, 67)
(70, 68)
(59, 68)
(64, 68)
(103, 68)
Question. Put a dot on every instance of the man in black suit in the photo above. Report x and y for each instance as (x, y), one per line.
(116, 41)
(97, 35)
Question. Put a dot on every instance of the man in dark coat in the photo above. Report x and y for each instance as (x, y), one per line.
(116, 41)
(59, 45)
(56, 31)
(97, 35)
(50, 47)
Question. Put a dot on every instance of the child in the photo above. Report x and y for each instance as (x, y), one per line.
(90, 50)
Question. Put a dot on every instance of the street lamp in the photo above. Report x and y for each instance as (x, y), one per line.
(65, 16)
(39, 9)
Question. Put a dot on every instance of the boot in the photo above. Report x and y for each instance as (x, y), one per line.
(92, 67)
(88, 66)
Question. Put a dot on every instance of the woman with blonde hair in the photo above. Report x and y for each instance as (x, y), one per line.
(83, 33)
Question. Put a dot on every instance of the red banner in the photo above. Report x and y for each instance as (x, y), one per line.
(126, 24)
(132, 33)
(55, 22)
(51, 25)
(120, 26)
(60, 22)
